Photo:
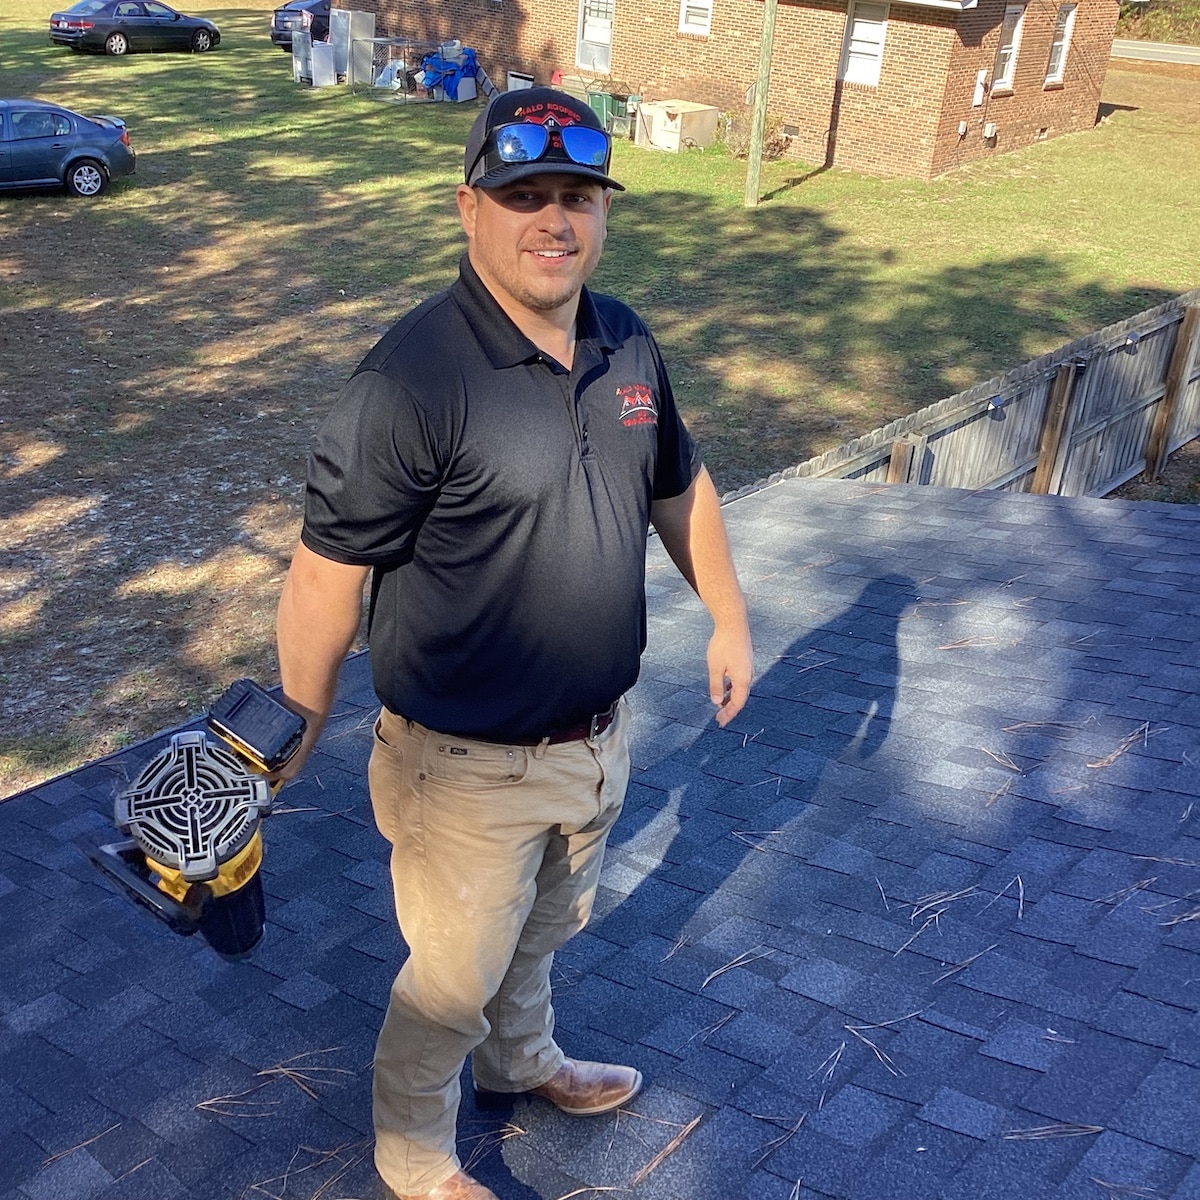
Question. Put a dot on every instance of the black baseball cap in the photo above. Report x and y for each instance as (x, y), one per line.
(546, 148)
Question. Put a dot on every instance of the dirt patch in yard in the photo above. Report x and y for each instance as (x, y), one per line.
(1178, 484)
(152, 453)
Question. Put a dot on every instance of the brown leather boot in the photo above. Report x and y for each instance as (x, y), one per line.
(583, 1089)
(460, 1186)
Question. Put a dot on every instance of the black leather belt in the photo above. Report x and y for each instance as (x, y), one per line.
(592, 728)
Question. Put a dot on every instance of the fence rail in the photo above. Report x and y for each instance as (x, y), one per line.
(1078, 421)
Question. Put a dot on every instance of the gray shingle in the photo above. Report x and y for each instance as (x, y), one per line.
(104, 1014)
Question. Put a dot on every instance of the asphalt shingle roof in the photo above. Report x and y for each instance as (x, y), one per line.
(923, 922)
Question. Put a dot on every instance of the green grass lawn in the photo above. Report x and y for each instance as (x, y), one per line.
(838, 304)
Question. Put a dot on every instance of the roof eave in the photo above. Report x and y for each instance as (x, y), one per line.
(950, 5)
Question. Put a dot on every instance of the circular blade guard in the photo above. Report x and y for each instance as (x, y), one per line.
(194, 807)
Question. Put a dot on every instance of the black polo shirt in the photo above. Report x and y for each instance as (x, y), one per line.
(503, 504)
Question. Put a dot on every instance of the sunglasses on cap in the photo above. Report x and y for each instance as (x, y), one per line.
(524, 142)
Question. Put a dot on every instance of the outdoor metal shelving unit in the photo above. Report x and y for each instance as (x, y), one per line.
(384, 67)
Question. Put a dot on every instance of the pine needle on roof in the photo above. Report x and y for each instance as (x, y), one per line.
(929, 921)
(767, 1148)
(63, 1153)
(1020, 896)
(883, 1056)
(966, 962)
(483, 1143)
(1059, 729)
(236, 1105)
(346, 1157)
(1119, 897)
(1000, 792)
(756, 838)
(742, 960)
(1193, 915)
(665, 1152)
(1141, 734)
(681, 941)
(1003, 759)
(826, 1070)
(306, 1075)
(708, 1030)
(939, 900)
(1115, 1191)
(1042, 1132)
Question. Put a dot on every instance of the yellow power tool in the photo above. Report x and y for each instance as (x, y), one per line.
(193, 817)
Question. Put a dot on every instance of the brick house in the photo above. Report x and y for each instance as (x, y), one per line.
(915, 88)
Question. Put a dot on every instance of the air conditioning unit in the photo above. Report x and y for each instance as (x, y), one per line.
(675, 124)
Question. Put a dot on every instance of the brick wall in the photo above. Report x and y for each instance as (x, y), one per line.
(1032, 111)
(907, 125)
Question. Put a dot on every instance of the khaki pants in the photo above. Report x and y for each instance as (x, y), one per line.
(496, 854)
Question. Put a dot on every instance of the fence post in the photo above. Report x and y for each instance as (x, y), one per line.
(1053, 427)
(906, 463)
(900, 461)
(1177, 375)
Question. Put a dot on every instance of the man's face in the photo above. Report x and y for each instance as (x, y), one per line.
(535, 242)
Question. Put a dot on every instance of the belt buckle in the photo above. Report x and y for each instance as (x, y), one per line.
(593, 731)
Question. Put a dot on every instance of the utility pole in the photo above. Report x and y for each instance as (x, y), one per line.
(761, 89)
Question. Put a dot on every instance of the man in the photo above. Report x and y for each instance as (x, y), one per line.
(495, 463)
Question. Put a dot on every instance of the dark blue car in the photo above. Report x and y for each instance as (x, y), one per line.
(123, 26)
(42, 145)
(309, 16)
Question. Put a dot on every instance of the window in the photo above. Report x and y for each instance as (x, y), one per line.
(39, 124)
(593, 48)
(1056, 67)
(695, 16)
(1010, 42)
(862, 51)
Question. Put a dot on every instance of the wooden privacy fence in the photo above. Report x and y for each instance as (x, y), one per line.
(1078, 421)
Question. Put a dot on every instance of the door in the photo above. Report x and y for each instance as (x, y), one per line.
(41, 141)
(129, 17)
(5, 149)
(593, 51)
(165, 27)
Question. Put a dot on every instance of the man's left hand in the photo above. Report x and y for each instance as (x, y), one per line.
(730, 670)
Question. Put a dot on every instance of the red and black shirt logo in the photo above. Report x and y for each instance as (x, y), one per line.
(637, 405)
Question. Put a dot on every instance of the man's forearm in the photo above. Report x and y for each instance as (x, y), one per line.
(693, 532)
(319, 613)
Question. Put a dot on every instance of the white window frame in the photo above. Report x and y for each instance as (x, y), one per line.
(695, 17)
(593, 42)
(1060, 45)
(1005, 70)
(863, 43)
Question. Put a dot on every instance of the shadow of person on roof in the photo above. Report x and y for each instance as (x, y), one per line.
(687, 885)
